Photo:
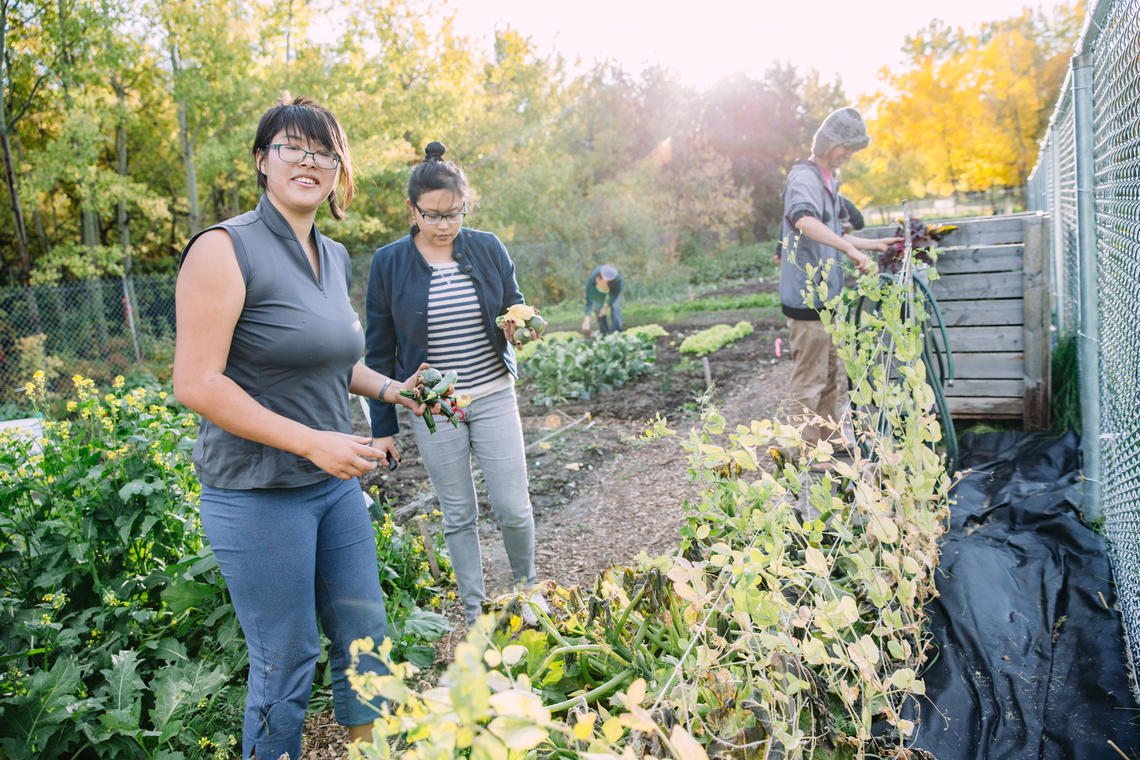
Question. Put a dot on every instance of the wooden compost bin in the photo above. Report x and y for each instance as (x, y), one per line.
(994, 294)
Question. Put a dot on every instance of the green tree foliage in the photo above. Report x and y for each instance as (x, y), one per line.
(129, 123)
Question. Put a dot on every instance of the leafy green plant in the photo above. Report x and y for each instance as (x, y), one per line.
(411, 594)
(1066, 412)
(744, 263)
(578, 368)
(651, 331)
(668, 312)
(714, 338)
(117, 636)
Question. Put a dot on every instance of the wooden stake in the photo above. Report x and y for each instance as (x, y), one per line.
(708, 371)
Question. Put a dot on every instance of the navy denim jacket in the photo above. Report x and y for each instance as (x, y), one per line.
(396, 333)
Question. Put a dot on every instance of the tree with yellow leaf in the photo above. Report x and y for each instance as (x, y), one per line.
(967, 111)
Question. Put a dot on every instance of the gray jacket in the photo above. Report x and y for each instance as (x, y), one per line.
(806, 194)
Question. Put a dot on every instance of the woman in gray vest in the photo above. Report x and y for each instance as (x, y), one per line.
(433, 296)
(268, 350)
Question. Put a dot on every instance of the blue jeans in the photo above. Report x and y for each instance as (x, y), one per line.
(289, 555)
(611, 320)
(493, 431)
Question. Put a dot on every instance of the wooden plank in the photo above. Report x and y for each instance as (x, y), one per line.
(966, 340)
(972, 231)
(999, 311)
(1000, 365)
(985, 407)
(967, 287)
(986, 258)
(998, 388)
(1036, 337)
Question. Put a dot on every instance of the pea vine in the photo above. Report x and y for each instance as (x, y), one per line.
(789, 621)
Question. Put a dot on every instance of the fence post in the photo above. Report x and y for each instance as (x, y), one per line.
(129, 308)
(1053, 206)
(1089, 333)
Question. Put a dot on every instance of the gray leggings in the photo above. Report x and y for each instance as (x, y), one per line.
(492, 431)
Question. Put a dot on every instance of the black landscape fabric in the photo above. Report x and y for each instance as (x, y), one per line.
(1028, 663)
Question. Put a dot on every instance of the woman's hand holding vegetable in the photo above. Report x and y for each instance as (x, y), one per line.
(433, 392)
(395, 394)
(509, 328)
(520, 315)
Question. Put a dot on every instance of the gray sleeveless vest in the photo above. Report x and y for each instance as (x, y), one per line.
(293, 350)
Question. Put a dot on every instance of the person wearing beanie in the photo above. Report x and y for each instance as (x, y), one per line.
(814, 242)
(603, 294)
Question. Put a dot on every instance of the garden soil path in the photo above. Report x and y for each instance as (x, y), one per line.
(600, 494)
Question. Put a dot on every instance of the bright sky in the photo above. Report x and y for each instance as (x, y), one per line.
(704, 41)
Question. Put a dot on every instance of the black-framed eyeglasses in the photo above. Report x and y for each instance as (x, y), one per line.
(434, 217)
(295, 154)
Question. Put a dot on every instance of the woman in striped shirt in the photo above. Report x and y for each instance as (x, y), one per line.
(433, 296)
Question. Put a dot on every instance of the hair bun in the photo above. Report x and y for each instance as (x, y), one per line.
(434, 151)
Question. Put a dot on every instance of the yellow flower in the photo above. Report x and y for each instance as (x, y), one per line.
(520, 313)
(38, 375)
(118, 382)
(85, 386)
(72, 406)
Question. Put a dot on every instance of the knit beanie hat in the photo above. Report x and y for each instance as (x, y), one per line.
(843, 127)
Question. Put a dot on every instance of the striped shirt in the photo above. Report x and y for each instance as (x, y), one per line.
(457, 340)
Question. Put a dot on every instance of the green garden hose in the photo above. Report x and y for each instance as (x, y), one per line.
(937, 359)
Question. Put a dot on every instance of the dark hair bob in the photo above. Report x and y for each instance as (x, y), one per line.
(303, 117)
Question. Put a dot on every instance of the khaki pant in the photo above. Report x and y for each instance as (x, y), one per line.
(818, 380)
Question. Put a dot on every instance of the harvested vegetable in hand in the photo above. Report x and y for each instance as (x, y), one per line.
(526, 319)
(432, 391)
(923, 237)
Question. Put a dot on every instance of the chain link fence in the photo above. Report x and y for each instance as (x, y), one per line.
(101, 328)
(1088, 178)
(97, 328)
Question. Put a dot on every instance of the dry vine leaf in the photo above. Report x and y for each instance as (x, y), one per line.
(686, 746)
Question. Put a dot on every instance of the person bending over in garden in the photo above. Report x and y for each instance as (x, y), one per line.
(603, 293)
(433, 296)
(812, 236)
(268, 349)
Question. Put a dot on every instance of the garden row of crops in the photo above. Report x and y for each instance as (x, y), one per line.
(789, 622)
